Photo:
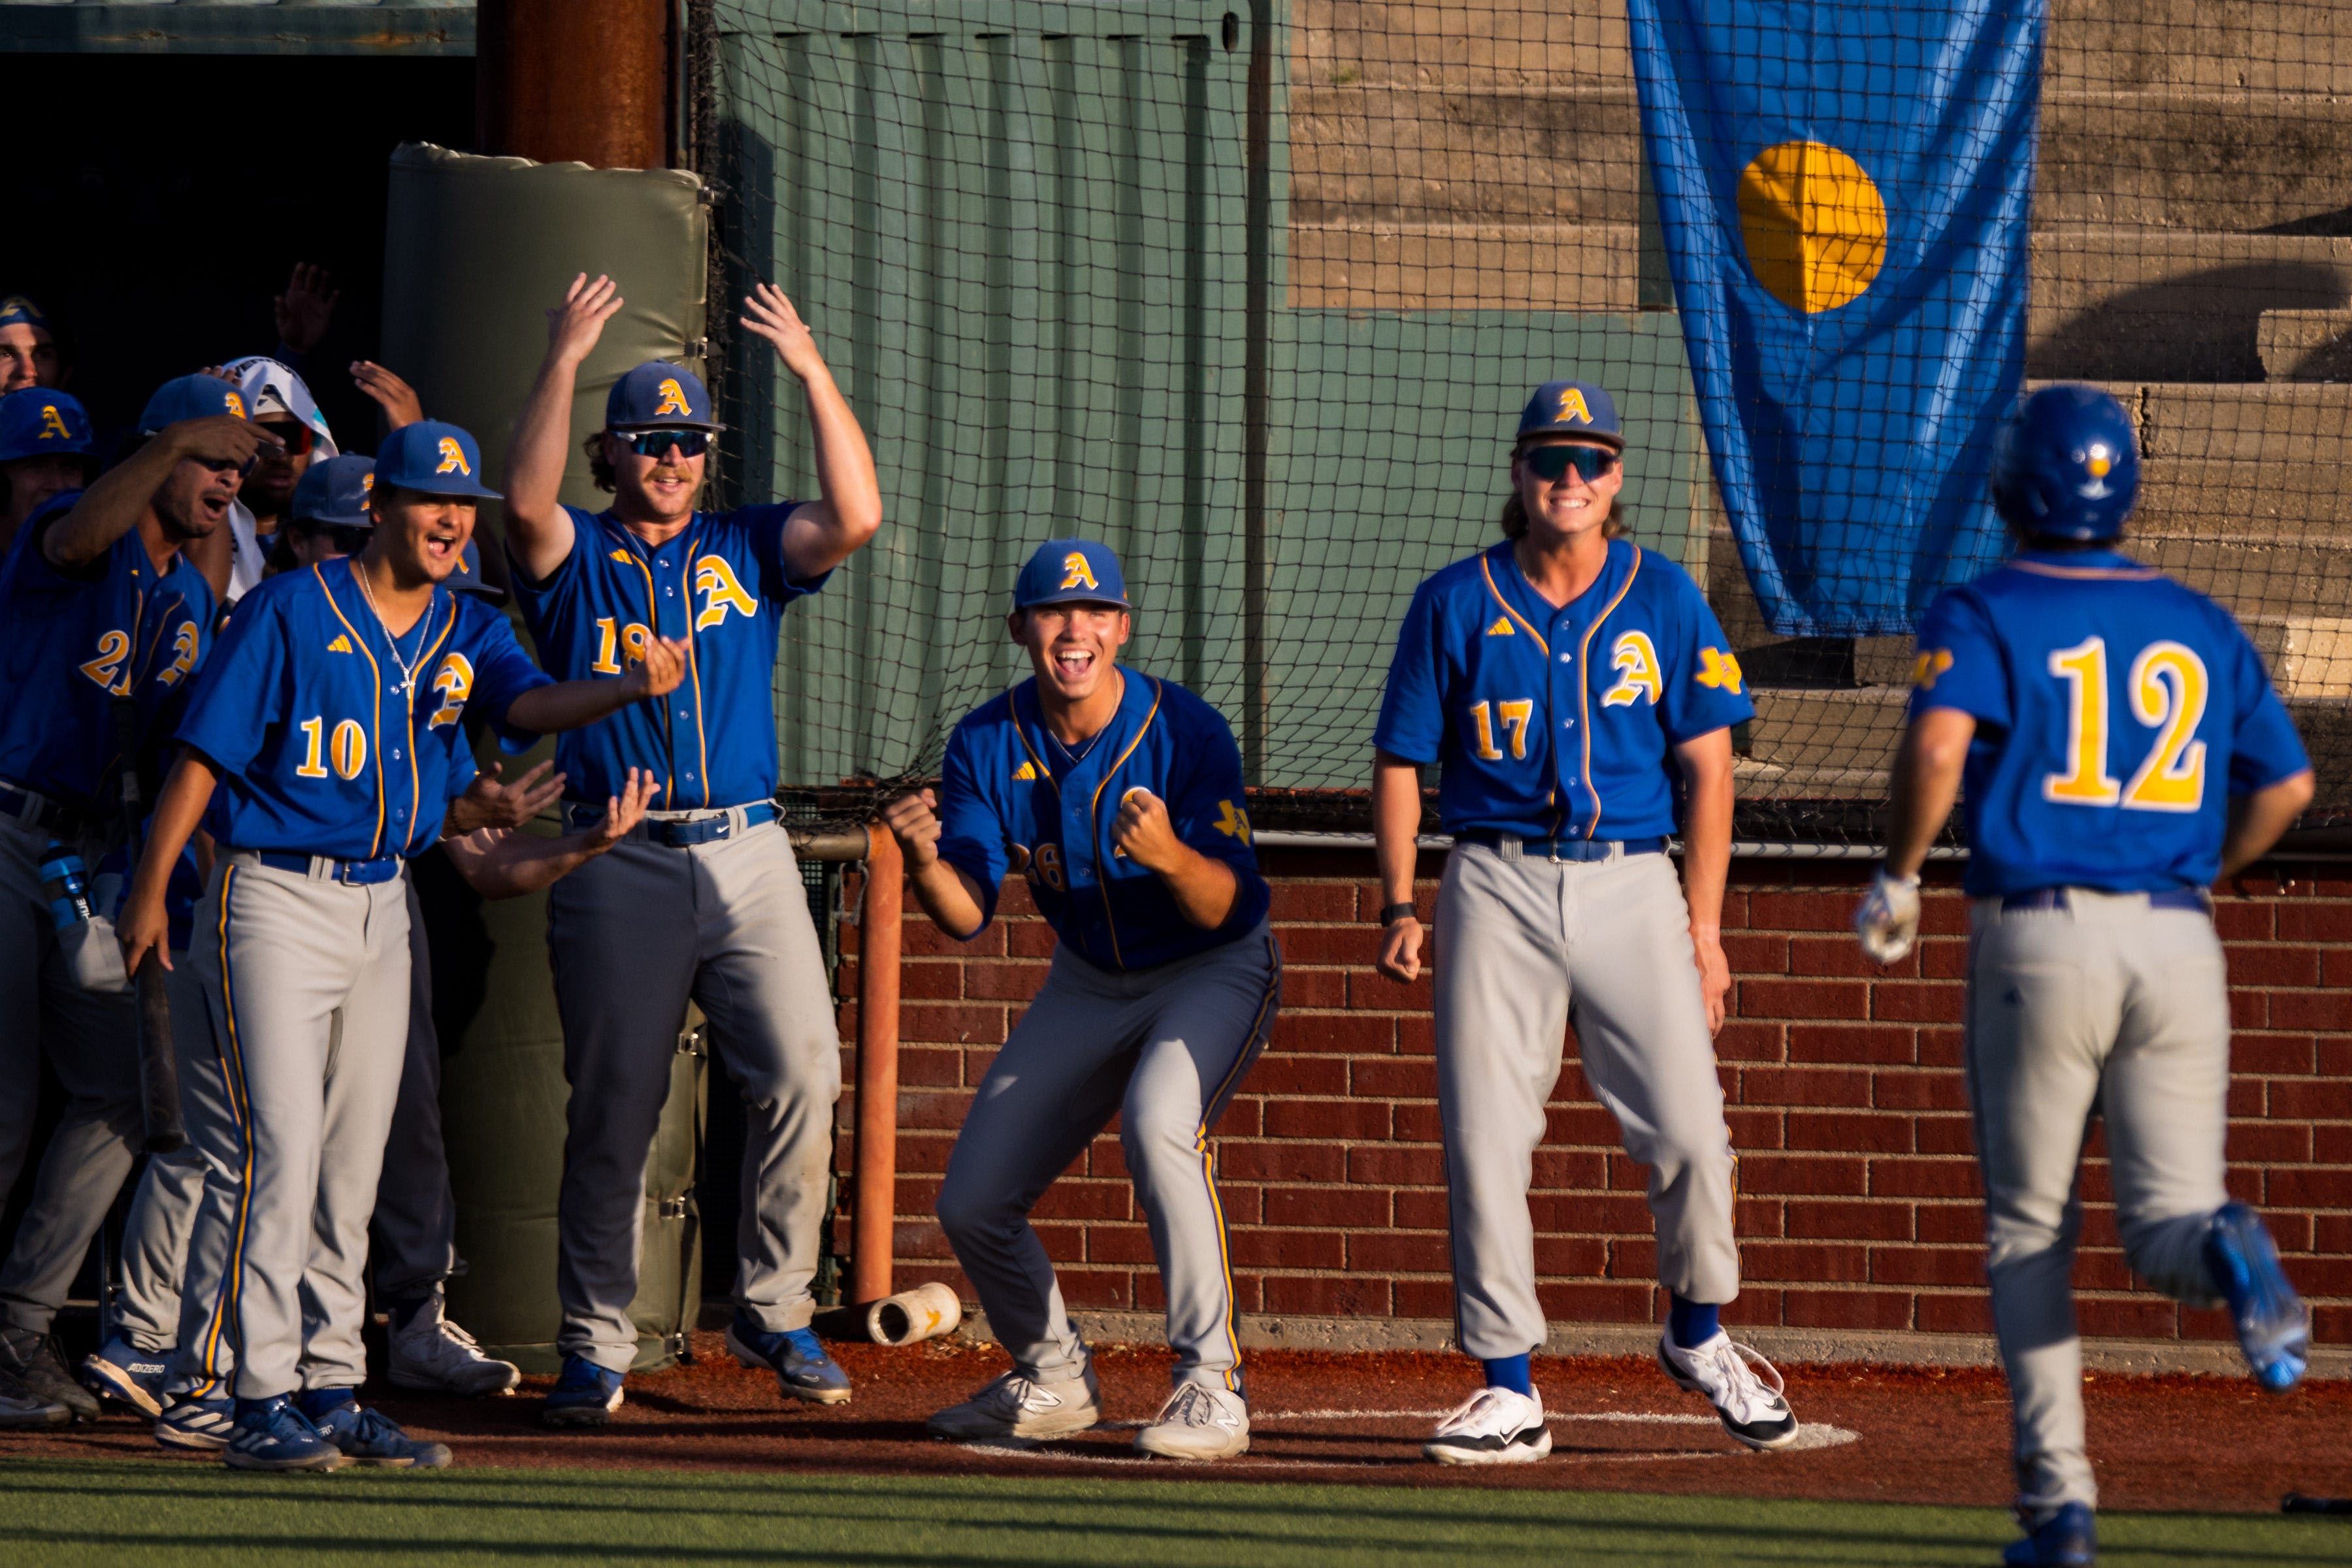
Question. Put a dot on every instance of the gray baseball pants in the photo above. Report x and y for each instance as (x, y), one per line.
(93, 1042)
(1524, 946)
(2105, 1005)
(635, 933)
(1163, 1050)
(308, 981)
(415, 1219)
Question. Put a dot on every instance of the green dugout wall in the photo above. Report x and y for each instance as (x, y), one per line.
(1026, 237)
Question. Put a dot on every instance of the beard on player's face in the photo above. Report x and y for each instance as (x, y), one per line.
(193, 503)
(663, 488)
(421, 538)
(1072, 646)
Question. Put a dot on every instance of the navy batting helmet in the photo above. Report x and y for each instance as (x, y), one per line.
(2067, 464)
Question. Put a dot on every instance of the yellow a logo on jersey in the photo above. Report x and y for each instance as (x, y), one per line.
(54, 423)
(1931, 663)
(1635, 660)
(1233, 822)
(452, 458)
(673, 400)
(713, 576)
(1571, 406)
(1501, 629)
(1076, 574)
(1025, 774)
(1721, 671)
(341, 645)
(235, 405)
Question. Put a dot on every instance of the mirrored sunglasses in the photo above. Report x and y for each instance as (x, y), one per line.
(1550, 463)
(661, 443)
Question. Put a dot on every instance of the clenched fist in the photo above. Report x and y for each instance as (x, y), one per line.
(913, 820)
(1143, 833)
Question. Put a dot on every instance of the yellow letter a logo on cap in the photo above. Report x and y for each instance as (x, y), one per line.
(452, 458)
(1571, 406)
(1076, 574)
(673, 400)
(54, 423)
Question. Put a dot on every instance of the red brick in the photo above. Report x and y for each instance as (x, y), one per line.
(2307, 1188)
(1754, 1129)
(1762, 998)
(1847, 1309)
(1592, 1302)
(1810, 1216)
(930, 980)
(1314, 987)
(1392, 1077)
(1800, 911)
(1809, 1174)
(1841, 955)
(1327, 1207)
(1417, 1124)
(1370, 991)
(1252, 1160)
(1803, 1086)
(1632, 1257)
(2269, 1143)
(1396, 1165)
(1944, 1135)
(1030, 939)
(1327, 1296)
(1342, 1032)
(1851, 1042)
(1809, 1262)
(1942, 1314)
(1397, 1252)
(1313, 902)
(1423, 1209)
(2136, 1317)
(1918, 1091)
(1591, 1213)
(1924, 1178)
(940, 1069)
(1579, 1125)
(1943, 958)
(1942, 1047)
(1101, 1290)
(1955, 1266)
(1348, 1118)
(1124, 1244)
(2274, 965)
(2300, 922)
(1423, 1298)
(2273, 1055)
(1289, 1075)
(951, 1022)
(1749, 953)
(919, 938)
(1857, 1131)
(1072, 1198)
(1570, 1256)
(1747, 1041)
(1582, 1169)
(1260, 1248)
(1345, 945)
(933, 1109)
(2244, 919)
(1919, 1002)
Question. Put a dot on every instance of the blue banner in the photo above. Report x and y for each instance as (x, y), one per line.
(1845, 187)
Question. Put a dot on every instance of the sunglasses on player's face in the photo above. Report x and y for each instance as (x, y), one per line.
(295, 434)
(659, 444)
(1549, 464)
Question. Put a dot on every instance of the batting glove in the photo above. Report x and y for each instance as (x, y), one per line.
(1889, 920)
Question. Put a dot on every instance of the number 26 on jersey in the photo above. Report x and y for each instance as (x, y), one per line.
(2167, 690)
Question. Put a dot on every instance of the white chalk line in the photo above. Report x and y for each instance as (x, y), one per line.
(1810, 1435)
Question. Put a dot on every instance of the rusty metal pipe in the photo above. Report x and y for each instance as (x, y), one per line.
(872, 1220)
(590, 80)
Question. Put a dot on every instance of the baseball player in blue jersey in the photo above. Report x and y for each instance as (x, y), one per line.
(322, 743)
(2121, 750)
(45, 451)
(98, 607)
(1120, 796)
(705, 901)
(1568, 685)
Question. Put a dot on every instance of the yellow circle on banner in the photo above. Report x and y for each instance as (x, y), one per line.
(1813, 224)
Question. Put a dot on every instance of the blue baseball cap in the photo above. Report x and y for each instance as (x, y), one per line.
(40, 423)
(433, 458)
(659, 394)
(468, 579)
(1572, 408)
(16, 311)
(334, 493)
(1071, 570)
(190, 397)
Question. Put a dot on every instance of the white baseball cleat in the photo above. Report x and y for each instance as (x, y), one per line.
(1756, 1416)
(1197, 1423)
(435, 1354)
(1494, 1427)
(1012, 1406)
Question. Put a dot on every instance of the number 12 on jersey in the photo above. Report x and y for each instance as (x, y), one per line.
(2167, 688)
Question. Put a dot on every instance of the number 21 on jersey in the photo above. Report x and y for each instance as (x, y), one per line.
(2167, 688)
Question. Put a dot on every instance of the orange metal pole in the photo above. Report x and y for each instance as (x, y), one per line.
(873, 1221)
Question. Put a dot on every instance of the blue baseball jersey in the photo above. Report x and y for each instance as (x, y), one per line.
(721, 584)
(325, 744)
(72, 643)
(1558, 723)
(1013, 797)
(2117, 711)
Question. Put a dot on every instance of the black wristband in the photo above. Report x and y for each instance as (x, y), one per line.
(1392, 913)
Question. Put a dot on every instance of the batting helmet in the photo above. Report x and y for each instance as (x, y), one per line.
(2066, 465)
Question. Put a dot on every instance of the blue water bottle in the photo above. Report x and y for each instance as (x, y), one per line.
(67, 881)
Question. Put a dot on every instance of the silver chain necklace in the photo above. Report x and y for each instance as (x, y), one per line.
(407, 672)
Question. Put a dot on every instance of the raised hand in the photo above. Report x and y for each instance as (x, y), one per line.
(664, 669)
(573, 327)
(768, 314)
(624, 810)
(398, 400)
(1143, 830)
(913, 820)
(306, 307)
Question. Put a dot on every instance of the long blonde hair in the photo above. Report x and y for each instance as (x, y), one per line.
(1514, 520)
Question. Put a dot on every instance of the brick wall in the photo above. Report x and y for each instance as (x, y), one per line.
(1859, 1203)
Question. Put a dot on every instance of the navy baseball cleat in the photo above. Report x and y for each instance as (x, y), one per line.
(2067, 1538)
(120, 1371)
(802, 1369)
(370, 1437)
(274, 1435)
(188, 1422)
(2273, 1325)
(584, 1395)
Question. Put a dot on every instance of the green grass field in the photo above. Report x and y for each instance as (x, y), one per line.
(58, 1512)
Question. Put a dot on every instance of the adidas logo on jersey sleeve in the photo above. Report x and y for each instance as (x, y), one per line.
(341, 645)
(1026, 771)
(1501, 629)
